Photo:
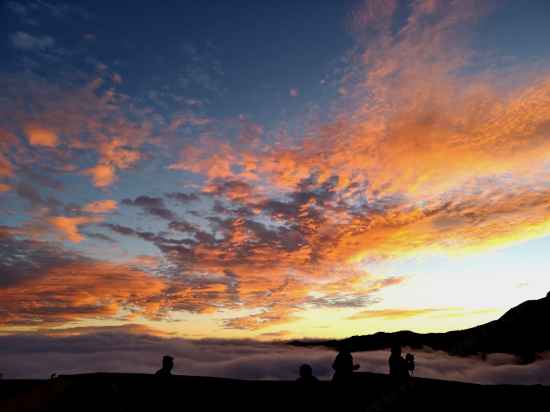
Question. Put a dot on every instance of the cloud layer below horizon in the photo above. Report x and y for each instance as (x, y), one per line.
(133, 351)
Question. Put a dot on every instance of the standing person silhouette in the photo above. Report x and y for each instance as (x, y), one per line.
(167, 366)
(343, 366)
(399, 366)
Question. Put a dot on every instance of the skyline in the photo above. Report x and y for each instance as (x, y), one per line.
(272, 172)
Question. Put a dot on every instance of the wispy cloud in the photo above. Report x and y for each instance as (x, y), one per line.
(25, 41)
(395, 313)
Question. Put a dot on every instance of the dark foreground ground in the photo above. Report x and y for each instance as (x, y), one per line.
(368, 392)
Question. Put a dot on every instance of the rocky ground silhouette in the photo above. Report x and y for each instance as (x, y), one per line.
(367, 392)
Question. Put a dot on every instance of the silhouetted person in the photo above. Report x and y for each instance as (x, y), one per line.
(410, 362)
(343, 366)
(167, 365)
(399, 366)
(306, 375)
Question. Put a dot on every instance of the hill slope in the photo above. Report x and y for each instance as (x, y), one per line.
(521, 331)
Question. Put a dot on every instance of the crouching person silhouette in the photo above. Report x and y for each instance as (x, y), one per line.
(306, 374)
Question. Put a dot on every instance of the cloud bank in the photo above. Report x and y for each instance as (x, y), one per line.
(132, 349)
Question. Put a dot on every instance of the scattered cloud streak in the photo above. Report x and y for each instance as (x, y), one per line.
(101, 206)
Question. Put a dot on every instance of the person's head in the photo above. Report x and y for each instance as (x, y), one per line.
(306, 371)
(345, 349)
(396, 349)
(167, 362)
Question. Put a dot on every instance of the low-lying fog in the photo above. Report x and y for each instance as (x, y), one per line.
(38, 356)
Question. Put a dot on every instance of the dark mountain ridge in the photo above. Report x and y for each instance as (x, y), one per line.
(522, 331)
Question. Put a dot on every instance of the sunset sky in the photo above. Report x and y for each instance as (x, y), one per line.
(272, 170)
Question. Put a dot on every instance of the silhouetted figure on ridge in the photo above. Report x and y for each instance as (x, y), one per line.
(343, 366)
(306, 375)
(399, 366)
(167, 366)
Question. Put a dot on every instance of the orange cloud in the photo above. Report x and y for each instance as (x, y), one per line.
(427, 161)
(4, 187)
(200, 159)
(6, 168)
(67, 227)
(116, 152)
(421, 156)
(100, 206)
(39, 136)
(392, 314)
(127, 328)
(421, 147)
(102, 175)
(271, 317)
(80, 291)
(86, 119)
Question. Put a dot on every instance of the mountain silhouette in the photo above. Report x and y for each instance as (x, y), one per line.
(522, 331)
